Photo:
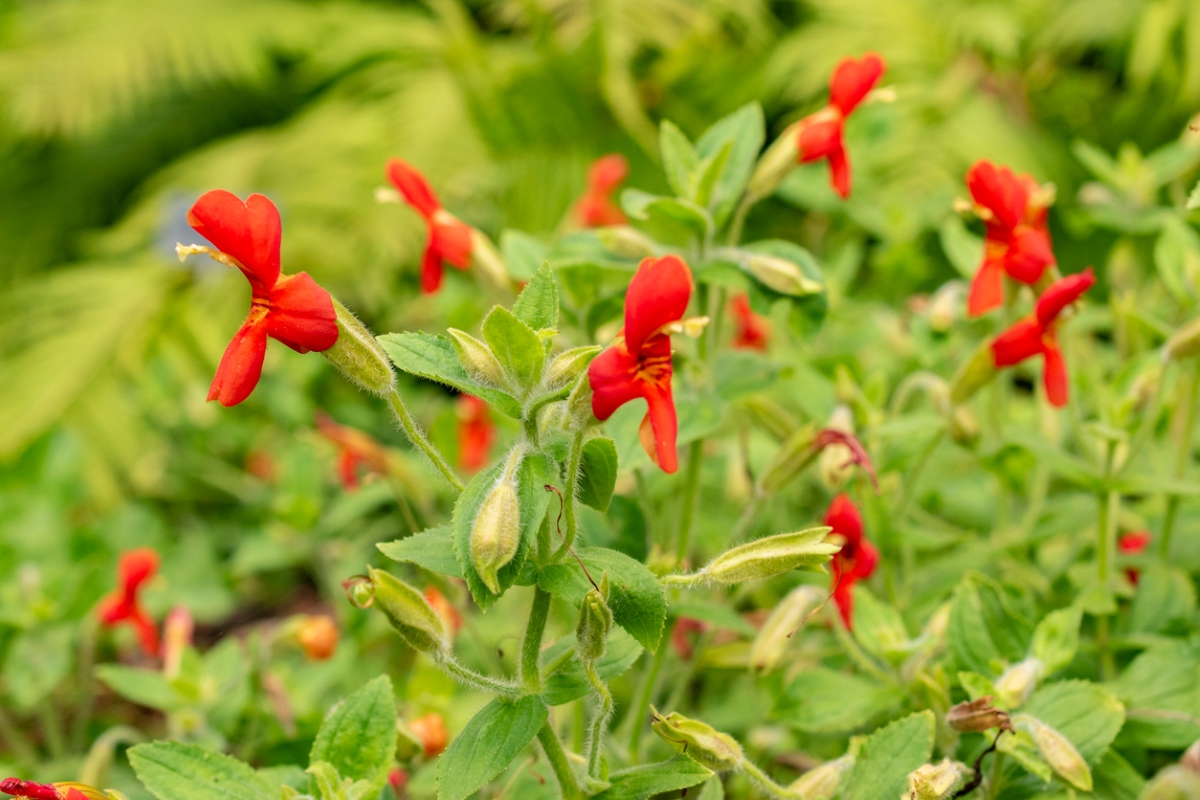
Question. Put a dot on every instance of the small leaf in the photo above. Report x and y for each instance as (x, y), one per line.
(679, 158)
(821, 700)
(522, 254)
(598, 473)
(492, 739)
(432, 549)
(37, 662)
(358, 737)
(1056, 638)
(568, 682)
(963, 249)
(175, 771)
(1087, 714)
(146, 687)
(516, 347)
(537, 305)
(984, 630)
(433, 358)
(746, 130)
(708, 171)
(639, 783)
(887, 756)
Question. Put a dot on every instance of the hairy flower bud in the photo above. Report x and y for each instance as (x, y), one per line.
(975, 716)
(836, 462)
(765, 557)
(496, 533)
(1058, 752)
(626, 242)
(787, 616)
(409, 612)
(477, 358)
(781, 275)
(973, 375)
(357, 355)
(1018, 682)
(595, 623)
(699, 741)
(579, 414)
(946, 305)
(1173, 783)
(775, 164)
(934, 781)
(567, 366)
(821, 783)
(1184, 343)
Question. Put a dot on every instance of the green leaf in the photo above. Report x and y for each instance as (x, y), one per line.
(37, 662)
(679, 158)
(1021, 747)
(1056, 638)
(1114, 778)
(432, 549)
(887, 756)
(963, 248)
(746, 130)
(566, 682)
(821, 700)
(146, 687)
(708, 171)
(537, 305)
(1177, 259)
(598, 473)
(534, 473)
(1156, 687)
(878, 627)
(489, 743)
(1087, 714)
(516, 347)
(176, 771)
(809, 308)
(1165, 594)
(639, 783)
(433, 357)
(358, 737)
(1068, 467)
(637, 600)
(667, 219)
(985, 632)
(1193, 201)
(523, 254)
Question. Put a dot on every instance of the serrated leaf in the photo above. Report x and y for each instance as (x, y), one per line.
(516, 346)
(598, 473)
(746, 129)
(431, 549)
(567, 681)
(358, 737)
(888, 755)
(1056, 638)
(492, 739)
(1087, 714)
(433, 357)
(176, 771)
(636, 599)
(679, 158)
(145, 687)
(1162, 682)
(537, 306)
(639, 783)
(821, 700)
(984, 629)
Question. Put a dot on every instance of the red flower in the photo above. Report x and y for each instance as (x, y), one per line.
(476, 432)
(291, 309)
(856, 559)
(1037, 334)
(1133, 543)
(28, 790)
(822, 134)
(638, 364)
(596, 207)
(398, 779)
(445, 609)
(682, 635)
(1017, 243)
(134, 569)
(355, 449)
(752, 330)
(431, 730)
(449, 237)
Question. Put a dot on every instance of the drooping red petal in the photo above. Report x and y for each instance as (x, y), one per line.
(431, 270)
(412, 184)
(608, 172)
(1022, 340)
(686, 628)
(1000, 191)
(819, 137)
(250, 232)
(843, 594)
(752, 330)
(658, 294)
(866, 560)
(853, 79)
(663, 422)
(987, 287)
(450, 238)
(1029, 254)
(241, 366)
(843, 516)
(612, 378)
(146, 631)
(348, 469)
(1062, 293)
(301, 314)
(135, 567)
(476, 433)
(1054, 374)
(595, 210)
(839, 172)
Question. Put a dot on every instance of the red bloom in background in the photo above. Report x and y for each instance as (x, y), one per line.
(752, 330)
(476, 433)
(822, 135)
(1133, 543)
(445, 609)
(398, 779)
(431, 730)
(1037, 334)
(596, 207)
(291, 309)
(686, 629)
(449, 237)
(355, 449)
(638, 364)
(856, 559)
(1017, 242)
(134, 569)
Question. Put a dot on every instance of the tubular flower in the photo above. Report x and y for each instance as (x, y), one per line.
(476, 432)
(449, 237)
(638, 364)
(1133, 543)
(28, 790)
(134, 569)
(821, 135)
(752, 331)
(1017, 242)
(355, 449)
(1037, 334)
(291, 309)
(857, 558)
(596, 207)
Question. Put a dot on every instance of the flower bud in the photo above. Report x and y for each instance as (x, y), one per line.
(409, 612)
(1184, 343)
(359, 591)
(1058, 752)
(934, 781)
(697, 740)
(781, 275)
(398, 780)
(786, 618)
(836, 462)
(579, 408)
(626, 242)
(794, 455)
(477, 359)
(1173, 783)
(178, 629)
(595, 623)
(318, 637)
(431, 731)
(964, 428)
(486, 259)
(946, 305)
(976, 716)
(775, 164)
(496, 533)
(1191, 757)
(357, 355)
(1018, 682)
(567, 366)
(821, 783)
(764, 558)
(973, 375)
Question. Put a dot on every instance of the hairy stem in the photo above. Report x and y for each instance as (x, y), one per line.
(573, 464)
(419, 440)
(599, 720)
(764, 780)
(475, 680)
(739, 221)
(691, 484)
(1105, 539)
(558, 763)
(531, 646)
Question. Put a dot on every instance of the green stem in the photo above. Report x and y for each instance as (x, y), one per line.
(558, 763)
(739, 221)
(1149, 420)
(475, 680)
(604, 709)
(576, 459)
(691, 484)
(764, 780)
(914, 475)
(1106, 519)
(641, 705)
(1182, 423)
(419, 440)
(531, 429)
(87, 660)
(531, 646)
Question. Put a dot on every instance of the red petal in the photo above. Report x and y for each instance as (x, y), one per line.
(658, 294)
(301, 314)
(839, 172)
(843, 596)
(987, 287)
(1054, 375)
(866, 560)
(819, 138)
(136, 567)
(1062, 293)
(596, 210)
(611, 376)
(608, 172)
(241, 366)
(413, 186)
(348, 469)
(999, 191)
(250, 232)
(431, 270)
(450, 238)
(853, 79)
(1134, 542)
(147, 632)
(1029, 254)
(846, 521)
(1019, 342)
(664, 424)
(114, 608)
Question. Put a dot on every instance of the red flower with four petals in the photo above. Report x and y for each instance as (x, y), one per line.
(857, 558)
(476, 433)
(291, 309)
(596, 207)
(752, 330)
(449, 237)
(134, 569)
(1037, 334)
(1017, 241)
(822, 135)
(638, 363)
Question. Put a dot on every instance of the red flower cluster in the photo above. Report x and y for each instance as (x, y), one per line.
(476, 433)
(856, 559)
(449, 237)
(596, 207)
(752, 330)
(1133, 543)
(1017, 242)
(638, 364)
(291, 309)
(355, 449)
(28, 790)
(822, 135)
(134, 569)
(1037, 334)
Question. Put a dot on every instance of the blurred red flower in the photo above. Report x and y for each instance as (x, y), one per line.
(355, 449)
(445, 609)
(476, 432)
(752, 330)
(822, 134)
(596, 207)
(857, 558)
(134, 569)
(1132, 544)
(686, 629)
(449, 237)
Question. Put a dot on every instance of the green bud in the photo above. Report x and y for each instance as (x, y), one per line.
(567, 366)
(821, 783)
(1058, 752)
(1173, 783)
(781, 275)
(595, 623)
(776, 419)
(626, 242)
(409, 612)
(775, 164)
(699, 741)
(973, 375)
(786, 618)
(964, 428)
(358, 356)
(764, 558)
(1184, 343)
(794, 455)
(934, 781)
(976, 716)
(496, 533)
(579, 407)
(477, 359)
(1018, 682)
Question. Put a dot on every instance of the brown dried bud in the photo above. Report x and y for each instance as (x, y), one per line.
(976, 716)
(1191, 758)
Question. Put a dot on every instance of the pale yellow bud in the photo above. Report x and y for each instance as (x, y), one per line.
(1173, 783)
(1018, 682)
(1184, 343)
(579, 414)
(836, 462)
(1058, 752)
(626, 242)
(821, 783)
(786, 618)
(567, 366)
(793, 456)
(764, 558)
(477, 359)
(964, 428)
(698, 740)
(775, 164)
(409, 612)
(946, 305)
(934, 781)
(496, 533)
(973, 375)
(781, 275)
